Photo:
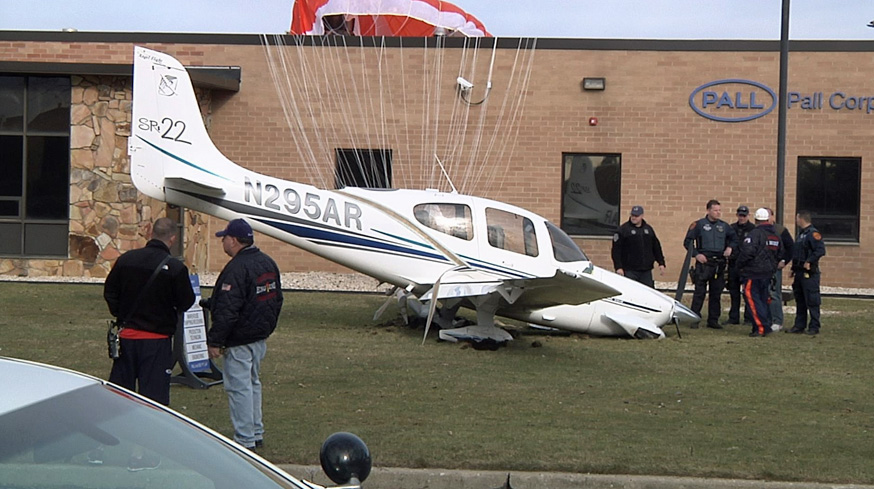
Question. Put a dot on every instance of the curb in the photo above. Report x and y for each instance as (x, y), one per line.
(401, 478)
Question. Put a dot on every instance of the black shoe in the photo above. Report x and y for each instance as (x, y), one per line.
(756, 334)
(812, 332)
(714, 326)
(731, 321)
(259, 443)
(795, 331)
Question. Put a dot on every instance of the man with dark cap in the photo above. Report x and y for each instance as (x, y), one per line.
(244, 308)
(742, 228)
(635, 248)
(806, 253)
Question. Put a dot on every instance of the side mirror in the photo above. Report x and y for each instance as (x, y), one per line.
(345, 459)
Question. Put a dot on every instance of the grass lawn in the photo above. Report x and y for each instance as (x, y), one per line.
(714, 403)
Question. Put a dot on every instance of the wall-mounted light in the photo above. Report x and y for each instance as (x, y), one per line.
(594, 83)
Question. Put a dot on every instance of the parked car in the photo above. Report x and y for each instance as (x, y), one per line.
(64, 429)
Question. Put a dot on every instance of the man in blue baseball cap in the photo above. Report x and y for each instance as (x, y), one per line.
(635, 248)
(244, 307)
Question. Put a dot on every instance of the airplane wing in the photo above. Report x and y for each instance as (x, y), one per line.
(562, 288)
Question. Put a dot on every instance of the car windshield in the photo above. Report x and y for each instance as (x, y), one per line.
(101, 437)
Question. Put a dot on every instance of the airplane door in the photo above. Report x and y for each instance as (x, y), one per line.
(509, 239)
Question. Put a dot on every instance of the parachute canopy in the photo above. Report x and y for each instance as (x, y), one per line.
(390, 18)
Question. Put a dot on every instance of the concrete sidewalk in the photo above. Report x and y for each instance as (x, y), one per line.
(399, 478)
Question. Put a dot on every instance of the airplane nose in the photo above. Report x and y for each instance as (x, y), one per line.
(683, 314)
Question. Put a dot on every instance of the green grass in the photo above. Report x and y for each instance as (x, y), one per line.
(712, 404)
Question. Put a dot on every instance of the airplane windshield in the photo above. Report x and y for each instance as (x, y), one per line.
(563, 247)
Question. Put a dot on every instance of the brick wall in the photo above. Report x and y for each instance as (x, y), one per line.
(673, 160)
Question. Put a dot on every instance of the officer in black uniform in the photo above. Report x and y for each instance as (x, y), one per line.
(635, 248)
(710, 240)
(806, 252)
(742, 228)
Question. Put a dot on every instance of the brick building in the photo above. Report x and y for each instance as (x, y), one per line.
(575, 130)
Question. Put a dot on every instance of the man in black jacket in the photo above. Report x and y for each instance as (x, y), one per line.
(149, 314)
(635, 248)
(244, 308)
(710, 241)
(742, 228)
(759, 254)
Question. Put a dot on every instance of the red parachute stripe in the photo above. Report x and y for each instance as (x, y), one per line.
(416, 18)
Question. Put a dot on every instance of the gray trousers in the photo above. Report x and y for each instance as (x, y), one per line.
(242, 367)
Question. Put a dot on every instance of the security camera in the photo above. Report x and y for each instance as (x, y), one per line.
(464, 84)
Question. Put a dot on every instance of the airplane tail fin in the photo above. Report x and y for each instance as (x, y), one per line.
(168, 142)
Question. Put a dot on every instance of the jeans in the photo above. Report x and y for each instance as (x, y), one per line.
(242, 366)
(777, 298)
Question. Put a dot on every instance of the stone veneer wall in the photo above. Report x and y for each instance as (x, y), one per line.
(107, 214)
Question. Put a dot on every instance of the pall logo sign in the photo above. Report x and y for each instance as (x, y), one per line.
(733, 100)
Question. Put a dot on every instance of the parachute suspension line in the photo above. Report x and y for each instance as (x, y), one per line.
(480, 127)
(405, 158)
(461, 112)
(511, 110)
(327, 98)
(279, 72)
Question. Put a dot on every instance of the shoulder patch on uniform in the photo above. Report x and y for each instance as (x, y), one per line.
(817, 236)
(692, 226)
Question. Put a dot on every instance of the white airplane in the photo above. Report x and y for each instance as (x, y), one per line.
(456, 249)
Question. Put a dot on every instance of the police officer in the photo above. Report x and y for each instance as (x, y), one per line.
(806, 252)
(757, 261)
(710, 240)
(777, 282)
(635, 248)
(742, 228)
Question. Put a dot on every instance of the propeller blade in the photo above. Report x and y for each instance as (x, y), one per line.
(384, 306)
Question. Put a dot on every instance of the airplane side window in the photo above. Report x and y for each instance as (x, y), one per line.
(511, 232)
(452, 219)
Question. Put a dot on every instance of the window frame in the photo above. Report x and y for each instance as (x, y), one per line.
(32, 233)
(823, 217)
(368, 161)
(610, 221)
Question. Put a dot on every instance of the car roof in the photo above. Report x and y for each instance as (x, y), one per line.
(23, 383)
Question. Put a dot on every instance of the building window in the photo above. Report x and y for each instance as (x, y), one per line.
(368, 168)
(830, 189)
(34, 166)
(590, 193)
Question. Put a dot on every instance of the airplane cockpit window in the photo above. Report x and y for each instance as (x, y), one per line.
(452, 219)
(563, 247)
(511, 232)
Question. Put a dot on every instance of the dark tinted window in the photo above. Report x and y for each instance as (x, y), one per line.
(34, 165)
(590, 193)
(829, 187)
(367, 168)
(11, 103)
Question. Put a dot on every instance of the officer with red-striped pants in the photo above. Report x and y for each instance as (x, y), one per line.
(759, 254)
